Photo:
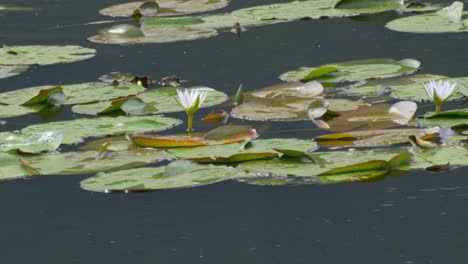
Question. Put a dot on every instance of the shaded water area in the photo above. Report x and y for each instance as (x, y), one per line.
(419, 217)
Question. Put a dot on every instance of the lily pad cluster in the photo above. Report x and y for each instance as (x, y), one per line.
(17, 59)
(167, 20)
(369, 133)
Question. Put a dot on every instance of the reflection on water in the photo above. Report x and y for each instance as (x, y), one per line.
(416, 218)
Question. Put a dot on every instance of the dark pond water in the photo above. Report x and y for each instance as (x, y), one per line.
(417, 218)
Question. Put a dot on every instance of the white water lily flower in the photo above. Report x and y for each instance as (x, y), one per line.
(190, 100)
(440, 91)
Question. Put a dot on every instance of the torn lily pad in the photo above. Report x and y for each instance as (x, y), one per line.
(81, 162)
(166, 7)
(446, 20)
(238, 152)
(353, 71)
(374, 138)
(74, 93)
(43, 55)
(76, 130)
(221, 135)
(313, 9)
(156, 101)
(445, 119)
(187, 175)
(31, 142)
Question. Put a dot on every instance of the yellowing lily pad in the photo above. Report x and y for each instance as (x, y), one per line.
(156, 101)
(186, 175)
(446, 20)
(166, 7)
(43, 55)
(75, 130)
(221, 135)
(353, 71)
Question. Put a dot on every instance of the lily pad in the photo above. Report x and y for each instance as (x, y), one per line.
(82, 162)
(15, 8)
(157, 101)
(237, 152)
(16, 110)
(30, 143)
(322, 162)
(448, 19)
(123, 34)
(416, 91)
(74, 93)
(282, 108)
(453, 155)
(313, 9)
(374, 138)
(11, 70)
(188, 174)
(43, 55)
(372, 117)
(353, 71)
(167, 7)
(75, 130)
(220, 135)
(444, 119)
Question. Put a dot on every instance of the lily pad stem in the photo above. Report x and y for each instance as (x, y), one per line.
(190, 122)
(438, 107)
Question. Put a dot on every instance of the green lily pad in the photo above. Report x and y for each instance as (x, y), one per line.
(298, 171)
(221, 135)
(11, 70)
(70, 163)
(453, 155)
(123, 34)
(15, 8)
(416, 91)
(75, 130)
(16, 110)
(444, 119)
(312, 9)
(237, 152)
(30, 143)
(74, 93)
(372, 117)
(167, 7)
(374, 138)
(288, 108)
(359, 4)
(353, 71)
(449, 19)
(395, 87)
(43, 55)
(157, 101)
(186, 175)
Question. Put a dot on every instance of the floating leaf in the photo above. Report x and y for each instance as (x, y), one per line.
(374, 117)
(15, 8)
(43, 55)
(74, 93)
(453, 155)
(357, 4)
(15, 110)
(309, 9)
(292, 89)
(449, 19)
(75, 130)
(157, 101)
(237, 152)
(216, 118)
(11, 70)
(353, 71)
(374, 138)
(43, 96)
(81, 162)
(167, 7)
(416, 91)
(221, 135)
(444, 119)
(31, 142)
(146, 179)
